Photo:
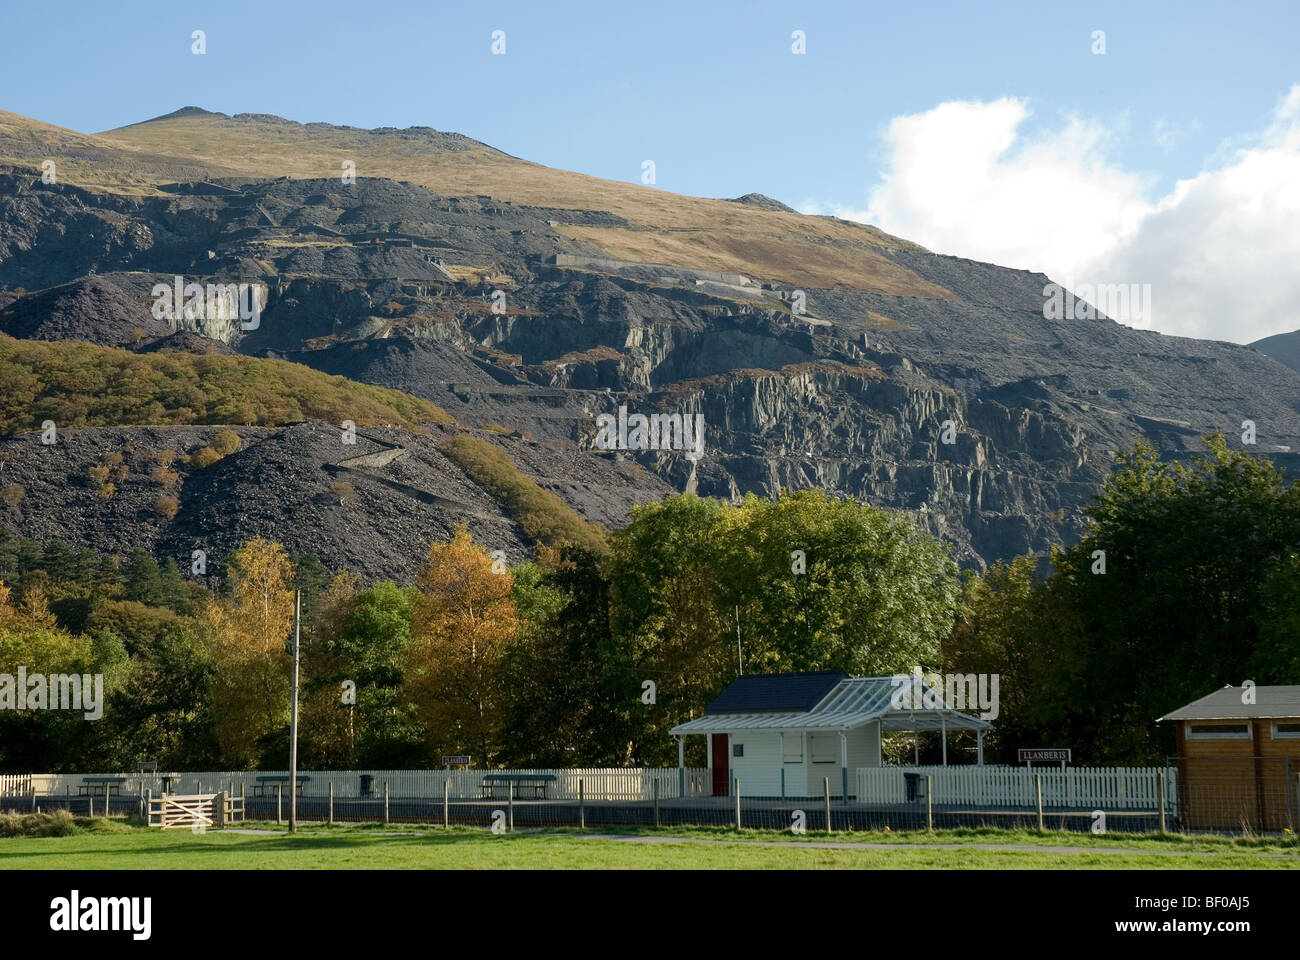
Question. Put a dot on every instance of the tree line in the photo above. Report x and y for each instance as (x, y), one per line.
(587, 654)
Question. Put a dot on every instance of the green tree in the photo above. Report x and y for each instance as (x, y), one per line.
(143, 580)
(1186, 547)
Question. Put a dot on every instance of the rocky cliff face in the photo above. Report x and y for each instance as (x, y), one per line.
(965, 406)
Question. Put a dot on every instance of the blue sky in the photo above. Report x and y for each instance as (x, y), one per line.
(713, 94)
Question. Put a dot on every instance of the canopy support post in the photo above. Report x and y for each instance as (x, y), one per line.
(844, 767)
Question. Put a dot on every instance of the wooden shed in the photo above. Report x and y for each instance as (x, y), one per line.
(1239, 758)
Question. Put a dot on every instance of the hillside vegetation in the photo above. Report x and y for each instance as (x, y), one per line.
(542, 515)
(79, 384)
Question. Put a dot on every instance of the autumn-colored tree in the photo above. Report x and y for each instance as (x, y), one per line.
(35, 608)
(249, 630)
(464, 620)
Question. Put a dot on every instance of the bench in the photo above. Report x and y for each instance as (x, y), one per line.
(100, 786)
(265, 786)
(537, 782)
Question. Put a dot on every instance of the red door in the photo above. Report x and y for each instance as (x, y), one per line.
(721, 765)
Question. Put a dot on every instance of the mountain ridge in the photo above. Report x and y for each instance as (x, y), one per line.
(820, 353)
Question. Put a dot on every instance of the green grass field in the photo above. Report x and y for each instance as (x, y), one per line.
(118, 846)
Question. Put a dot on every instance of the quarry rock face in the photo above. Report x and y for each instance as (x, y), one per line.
(990, 424)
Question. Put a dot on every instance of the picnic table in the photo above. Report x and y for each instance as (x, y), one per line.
(537, 782)
(100, 786)
(266, 785)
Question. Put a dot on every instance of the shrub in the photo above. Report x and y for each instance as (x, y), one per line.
(12, 494)
(55, 824)
(167, 506)
(226, 442)
(204, 458)
(166, 458)
(98, 474)
(107, 491)
(166, 477)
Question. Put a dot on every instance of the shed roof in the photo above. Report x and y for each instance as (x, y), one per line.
(776, 692)
(850, 702)
(1225, 704)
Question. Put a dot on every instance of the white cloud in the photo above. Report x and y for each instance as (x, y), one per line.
(1221, 251)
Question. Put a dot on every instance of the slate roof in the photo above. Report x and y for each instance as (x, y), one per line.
(847, 703)
(1226, 704)
(776, 692)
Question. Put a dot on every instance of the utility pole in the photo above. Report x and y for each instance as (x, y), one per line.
(740, 660)
(293, 714)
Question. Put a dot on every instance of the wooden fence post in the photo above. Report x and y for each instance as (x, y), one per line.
(1160, 798)
(331, 818)
(736, 785)
(510, 805)
(90, 799)
(446, 807)
(385, 801)
(219, 810)
(279, 793)
(826, 798)
(656, 792)
(1038, 793)
(582, 812)
(929, 803)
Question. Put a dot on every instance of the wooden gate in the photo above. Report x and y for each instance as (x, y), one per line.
(196, 811)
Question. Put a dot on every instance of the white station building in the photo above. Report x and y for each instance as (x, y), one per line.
(784, 734)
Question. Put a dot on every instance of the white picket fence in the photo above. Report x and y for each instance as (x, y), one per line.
(1110, 788)
(610, 783)
(15, 784)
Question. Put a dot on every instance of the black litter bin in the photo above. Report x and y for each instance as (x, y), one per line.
(367, 785)
(915, 785)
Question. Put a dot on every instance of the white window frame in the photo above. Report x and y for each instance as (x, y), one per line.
(1224, 733)
(1286, 734)
(812, 752)
(796, 752)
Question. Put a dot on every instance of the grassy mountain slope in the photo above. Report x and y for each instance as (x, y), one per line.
(660, 227)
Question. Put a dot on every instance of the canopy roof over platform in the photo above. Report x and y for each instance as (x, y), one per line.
(824, 701)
